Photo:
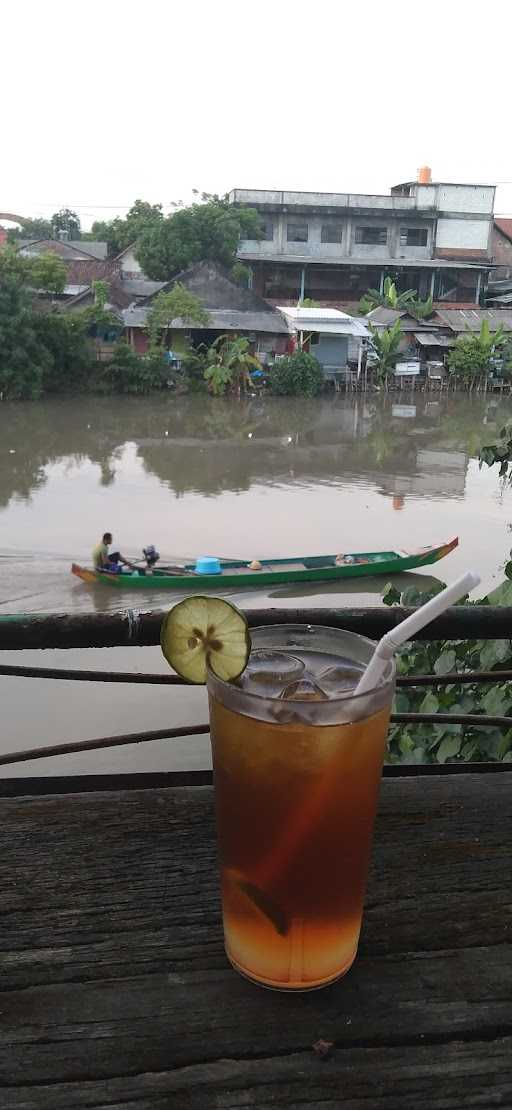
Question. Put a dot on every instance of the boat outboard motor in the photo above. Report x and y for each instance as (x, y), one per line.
(151, 555)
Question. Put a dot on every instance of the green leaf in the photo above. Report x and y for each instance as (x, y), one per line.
(429, 704)
(390, 595)
(505, 744)
(401, 703)
(494, 702)
(448, 748)
(502, 595)
(406, 743)
(445, 663)
(494, 651)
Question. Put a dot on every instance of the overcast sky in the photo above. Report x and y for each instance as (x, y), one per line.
(116, 100)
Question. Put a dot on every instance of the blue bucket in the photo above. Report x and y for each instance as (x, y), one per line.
(208, 565)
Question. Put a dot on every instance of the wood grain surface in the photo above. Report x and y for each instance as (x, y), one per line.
(116, 993)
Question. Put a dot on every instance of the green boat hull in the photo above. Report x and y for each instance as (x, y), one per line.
(273, 572)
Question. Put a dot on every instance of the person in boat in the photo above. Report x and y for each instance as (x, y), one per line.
(103, 560)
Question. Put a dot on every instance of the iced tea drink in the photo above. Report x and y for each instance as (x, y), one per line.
(297, 764)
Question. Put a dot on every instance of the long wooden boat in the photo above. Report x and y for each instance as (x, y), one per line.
(309, 568)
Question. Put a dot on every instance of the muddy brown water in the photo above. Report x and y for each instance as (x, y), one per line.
(194, 475)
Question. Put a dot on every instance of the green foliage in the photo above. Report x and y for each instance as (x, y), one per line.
(66, 220)
(297, 375)
(207, 231)
(47, 273)
(121, 233)
(23, 360)
(473, 354)
(391, 298)
(128, 373)
(308, 302)
(500, 454)
(229, 364)
(386, 342)
(421, 309)
(241, 275)
(64, 337)
(194, 363)
(179, 303)
(32, 229)
(427, 743)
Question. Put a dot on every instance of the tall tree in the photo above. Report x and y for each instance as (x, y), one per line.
(31, 229)
(23, 359)
(209, 230)
(120, 233)
(68, 221)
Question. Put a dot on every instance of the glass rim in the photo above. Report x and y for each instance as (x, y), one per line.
(348, 695)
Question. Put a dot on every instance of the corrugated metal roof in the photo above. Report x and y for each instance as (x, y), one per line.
(469, 319)
(324, 320)
(434, 339)
(381, 263)
(142, 287)
(219, 320)
(502, 299)
(385, 316)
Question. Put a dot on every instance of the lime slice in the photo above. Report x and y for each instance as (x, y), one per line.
(205, 631)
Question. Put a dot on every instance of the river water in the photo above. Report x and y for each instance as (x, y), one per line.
(195, 475)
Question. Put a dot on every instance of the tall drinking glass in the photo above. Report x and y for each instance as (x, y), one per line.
(297, 763)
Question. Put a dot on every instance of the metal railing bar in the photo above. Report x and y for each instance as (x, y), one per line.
(151, 679)
(480, 720)
(88, 630)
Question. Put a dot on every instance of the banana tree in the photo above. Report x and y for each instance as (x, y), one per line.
(385, 343)
(473, 354)
(389, 298)
(229, 364)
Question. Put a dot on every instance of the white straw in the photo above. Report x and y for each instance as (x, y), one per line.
(409, 627)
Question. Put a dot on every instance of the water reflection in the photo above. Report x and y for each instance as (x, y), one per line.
(417, 446)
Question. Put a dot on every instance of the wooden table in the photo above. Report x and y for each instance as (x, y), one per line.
(116, 992)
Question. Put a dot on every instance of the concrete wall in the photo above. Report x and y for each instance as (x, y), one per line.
(275, 198)
(462, 234)
(279, 247)
(464, 221)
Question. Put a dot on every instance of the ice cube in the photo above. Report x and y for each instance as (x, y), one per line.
(269, 672)
(339, 679)
(303, 689)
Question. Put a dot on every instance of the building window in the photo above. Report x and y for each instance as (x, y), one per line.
(413, 236)
(297, 233)
(267, 228)
(372, 236)
(332, 233)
